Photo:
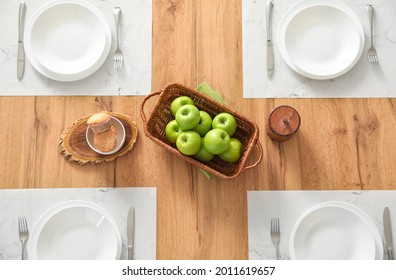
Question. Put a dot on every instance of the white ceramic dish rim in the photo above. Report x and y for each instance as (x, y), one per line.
(96, 45)
(379, 254)
(300, 6)
(119, 143)
(66, 77)
(361, 233)
(44, 218)
(346, 31)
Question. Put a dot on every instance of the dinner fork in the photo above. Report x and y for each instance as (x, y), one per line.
(275, 234)
(118, 55)
(23, 233)
(371, 52)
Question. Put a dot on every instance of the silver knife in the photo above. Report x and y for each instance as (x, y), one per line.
(388, 233)
(21, 50)
(270, 51)
(130, 231)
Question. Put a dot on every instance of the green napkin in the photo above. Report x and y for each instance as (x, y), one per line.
(206, 89)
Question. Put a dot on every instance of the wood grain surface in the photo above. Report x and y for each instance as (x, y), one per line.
(342, 144)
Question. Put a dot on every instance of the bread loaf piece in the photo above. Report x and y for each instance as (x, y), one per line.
(106, 141)
(99, 122)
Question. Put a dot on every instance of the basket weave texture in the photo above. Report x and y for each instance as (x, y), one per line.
(154, 128)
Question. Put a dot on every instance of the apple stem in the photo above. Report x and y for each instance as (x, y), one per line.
(286, 121)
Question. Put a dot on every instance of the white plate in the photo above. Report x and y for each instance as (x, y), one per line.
(320, 39)
(67, 40)
(75, 230)
(120, 131)
(335, 230)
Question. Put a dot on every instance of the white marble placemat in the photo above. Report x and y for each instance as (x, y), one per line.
(288, 206)
(136, 42)
(32, 203)
(361, 81)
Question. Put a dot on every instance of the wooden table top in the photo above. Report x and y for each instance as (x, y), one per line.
(342, 144)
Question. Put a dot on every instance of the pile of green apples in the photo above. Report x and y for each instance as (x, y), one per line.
(196, 134)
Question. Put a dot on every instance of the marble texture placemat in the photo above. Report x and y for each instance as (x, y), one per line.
(361, 81)
(32, 203)
(288, 206)
(135, 41)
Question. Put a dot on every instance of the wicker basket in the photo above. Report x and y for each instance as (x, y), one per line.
(154, 127)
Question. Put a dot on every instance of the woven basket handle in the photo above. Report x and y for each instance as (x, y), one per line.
(142, 115)
(260, 148)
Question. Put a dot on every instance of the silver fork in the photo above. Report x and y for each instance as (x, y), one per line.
(275, 234)
(371, 52)
(118, 55)
(23, 233)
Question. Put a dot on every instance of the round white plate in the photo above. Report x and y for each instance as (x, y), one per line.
(121, 136)
(67, 40)
(75, 230)
(320, 39)
(335, 231)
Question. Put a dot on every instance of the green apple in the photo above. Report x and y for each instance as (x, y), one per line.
(178, 102)
(226, 122)
(188, 117)
(205, 123)
(203, 155)
(216, 141)
(188, 143)
(172, 131)
(233, 153)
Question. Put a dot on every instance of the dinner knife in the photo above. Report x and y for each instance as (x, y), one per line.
(388, 233)
(270, 51)
(21, 50)
(130, 231)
